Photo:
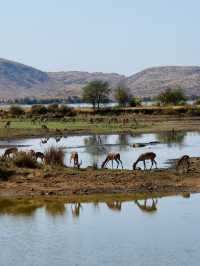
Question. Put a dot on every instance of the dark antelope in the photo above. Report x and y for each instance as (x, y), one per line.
(112, 157)
(10, 151)
(146, 156)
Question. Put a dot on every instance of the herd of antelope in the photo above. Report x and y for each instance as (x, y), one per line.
(183, 163)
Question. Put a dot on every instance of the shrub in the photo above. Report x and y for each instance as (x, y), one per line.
(54, 156)
(16, 110)
(65, 110)
(174, 97)
(5, 174)
(25, 160)
(38, 109)
(135, 102)
(53, 108)
(122, 96)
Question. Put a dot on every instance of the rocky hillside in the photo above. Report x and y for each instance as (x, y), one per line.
(18, 81)
(153, 80)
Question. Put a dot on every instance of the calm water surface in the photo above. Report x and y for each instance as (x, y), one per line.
(166, 232)
(94, 148)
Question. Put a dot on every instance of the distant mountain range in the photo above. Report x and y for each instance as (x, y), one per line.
(18, 81)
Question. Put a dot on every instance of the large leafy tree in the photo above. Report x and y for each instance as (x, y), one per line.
(172, 96)
(96, 92)
(122, 96)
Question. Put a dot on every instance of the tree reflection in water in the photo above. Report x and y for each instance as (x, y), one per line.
(171, 137)
(95, 147)
(147, 205)
(55, 208)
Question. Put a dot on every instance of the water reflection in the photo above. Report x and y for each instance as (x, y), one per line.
(147, 205)
(171, 138)
(56, 208)
(76, 207)
(114, 205)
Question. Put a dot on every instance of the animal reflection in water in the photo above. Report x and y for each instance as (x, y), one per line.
(112, 157)
(76, 207)
(146, 206)
(114, 205)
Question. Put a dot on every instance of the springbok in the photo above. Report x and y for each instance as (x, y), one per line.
(112, 157)
(74, 157)
(146, 156)
(184, 163)
(10, 151)
(7, 124)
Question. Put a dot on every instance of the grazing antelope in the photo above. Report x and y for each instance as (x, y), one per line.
(74, 157)
(147, 208)
(112, 157)
(184, 163)
(10, 151)
(146, 156)
(7, 124)
(44, 127)
(40, 155)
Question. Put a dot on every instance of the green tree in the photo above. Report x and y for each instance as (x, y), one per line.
(96, 92)
(122, 96)
(134, 101)
(172, 96)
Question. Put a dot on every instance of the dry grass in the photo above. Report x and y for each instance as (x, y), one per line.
(25, 160)
(54, 156)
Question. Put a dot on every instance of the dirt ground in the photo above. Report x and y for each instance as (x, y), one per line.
(68, 182)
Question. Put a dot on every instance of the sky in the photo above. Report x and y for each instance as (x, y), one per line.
(121, 36)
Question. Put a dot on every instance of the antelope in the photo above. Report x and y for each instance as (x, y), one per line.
(146, 156)
(183, 162)
(10, 151)
(112, 157)
(7, 124)
(44, 127)
(74, 157)
(39, 155)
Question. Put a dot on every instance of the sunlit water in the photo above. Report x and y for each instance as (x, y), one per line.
(94, 148)
(97, 235)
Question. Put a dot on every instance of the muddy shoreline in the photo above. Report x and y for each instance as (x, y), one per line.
(73, 182)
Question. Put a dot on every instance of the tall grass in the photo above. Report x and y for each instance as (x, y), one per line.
(25, 160)
(54, 156)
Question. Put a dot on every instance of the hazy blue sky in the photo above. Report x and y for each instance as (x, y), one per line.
(122, 36)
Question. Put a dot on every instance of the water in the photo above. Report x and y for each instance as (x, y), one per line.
(94, 148)
(49, 234)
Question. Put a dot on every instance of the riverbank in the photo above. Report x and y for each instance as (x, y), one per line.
(144, 124)
(48, 181)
